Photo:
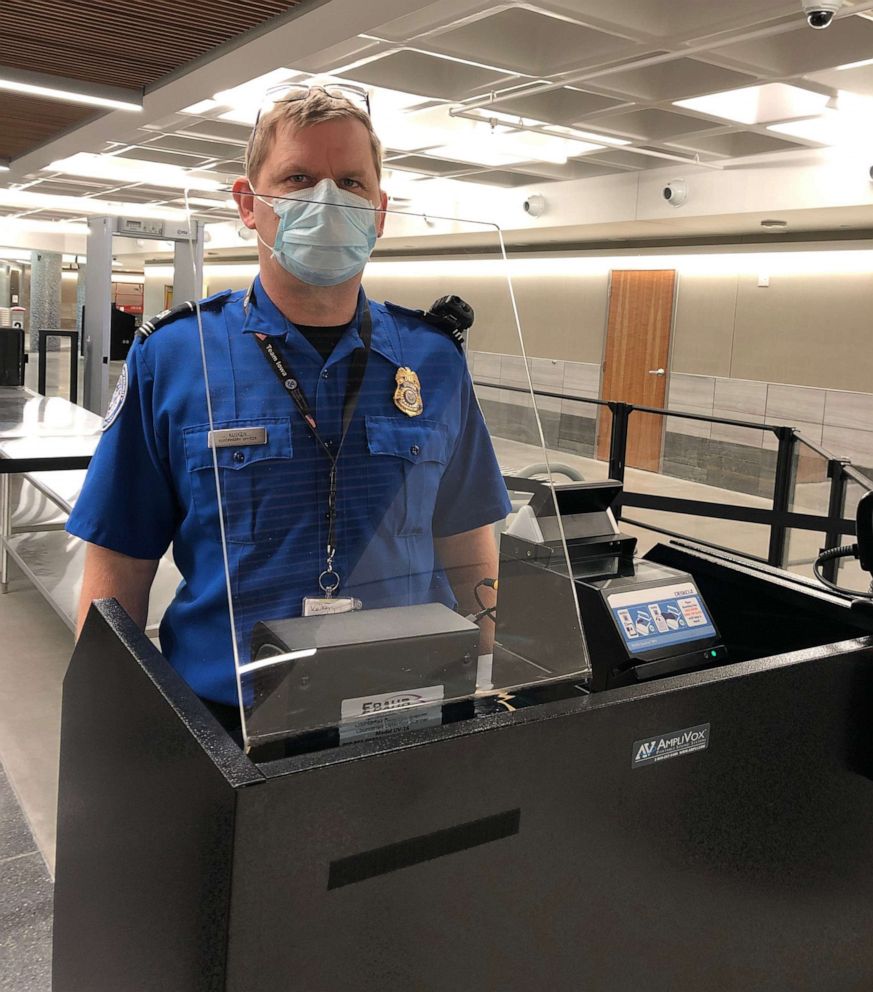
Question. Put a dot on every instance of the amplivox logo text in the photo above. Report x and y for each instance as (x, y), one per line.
(672, 745)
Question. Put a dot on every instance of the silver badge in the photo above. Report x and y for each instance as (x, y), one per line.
(117, 400)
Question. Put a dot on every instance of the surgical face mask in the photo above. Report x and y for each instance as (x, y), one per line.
(325, 237)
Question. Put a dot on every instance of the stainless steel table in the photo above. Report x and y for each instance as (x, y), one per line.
(46, 444)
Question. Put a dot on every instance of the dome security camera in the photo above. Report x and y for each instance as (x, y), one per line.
(535, 205)
(675, 192)
(820, 13)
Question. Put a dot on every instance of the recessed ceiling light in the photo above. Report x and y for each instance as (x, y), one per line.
(80, 206)
(854, 65)
(845, 122)
(759, 104)
(129, 170)
(68, 90)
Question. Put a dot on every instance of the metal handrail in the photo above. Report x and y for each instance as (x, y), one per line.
(779, 518)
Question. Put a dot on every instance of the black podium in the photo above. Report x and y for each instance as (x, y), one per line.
(522, 851)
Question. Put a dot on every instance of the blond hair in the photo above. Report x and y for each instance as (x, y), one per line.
(316, 108)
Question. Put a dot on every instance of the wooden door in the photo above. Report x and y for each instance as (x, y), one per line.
(636, 358)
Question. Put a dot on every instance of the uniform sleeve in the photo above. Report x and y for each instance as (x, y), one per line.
(128, 502)
(472, 493)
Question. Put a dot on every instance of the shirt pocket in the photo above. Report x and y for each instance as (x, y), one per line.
(408, 461)
(257, 480)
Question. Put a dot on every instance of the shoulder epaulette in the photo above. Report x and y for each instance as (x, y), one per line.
(450, 314)
(215, 302)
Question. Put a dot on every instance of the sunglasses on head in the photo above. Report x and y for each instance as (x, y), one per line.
(292, 92)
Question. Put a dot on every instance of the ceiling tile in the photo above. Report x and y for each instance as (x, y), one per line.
(196, 146)
(217, 129)
(232, 166)
(654, 125)
(800, 51)
(625, 159)
(428, 75)
(674, 80)
(560, 106)
(530, 42)
(145, 153)
(495, 177)
(737, 144)
(680, 19)
(428, 165)
(139, 194)
(65, 187)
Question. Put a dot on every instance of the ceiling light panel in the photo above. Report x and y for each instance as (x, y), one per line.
(793, 53)
(78, 206)
(672, 80)
(120, 170)
(831, 128)
(241, 103)
(56, 87)
(530, 42)
(434, 77)
(759, 104)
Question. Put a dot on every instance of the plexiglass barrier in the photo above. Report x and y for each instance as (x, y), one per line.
(377, 574)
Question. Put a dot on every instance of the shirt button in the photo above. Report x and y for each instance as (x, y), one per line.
(324, 374)
(239, 456)
(415, 450)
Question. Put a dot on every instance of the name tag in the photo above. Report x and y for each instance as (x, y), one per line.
(234, 437)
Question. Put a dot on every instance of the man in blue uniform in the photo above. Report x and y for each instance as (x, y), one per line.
(351, 454)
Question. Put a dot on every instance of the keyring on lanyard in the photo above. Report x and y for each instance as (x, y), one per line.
(328, 587)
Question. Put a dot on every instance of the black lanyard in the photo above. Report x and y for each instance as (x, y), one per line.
(328, 580)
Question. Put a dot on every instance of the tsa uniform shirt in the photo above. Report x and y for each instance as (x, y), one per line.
(401, 480)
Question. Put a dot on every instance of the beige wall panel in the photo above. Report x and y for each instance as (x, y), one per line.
(809, 330)
(494, 327)
(561, 317)
(704, 324)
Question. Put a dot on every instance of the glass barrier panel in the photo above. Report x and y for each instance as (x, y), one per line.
(731, 467)
(810, 493)
(568, 427)
(378, 578)
(849, 572)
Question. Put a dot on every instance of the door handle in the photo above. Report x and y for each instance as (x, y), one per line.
(657, 372)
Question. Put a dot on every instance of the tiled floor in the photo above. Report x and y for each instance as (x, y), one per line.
(25, 903)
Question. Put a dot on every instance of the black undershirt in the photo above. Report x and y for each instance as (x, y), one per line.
(323, 339)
